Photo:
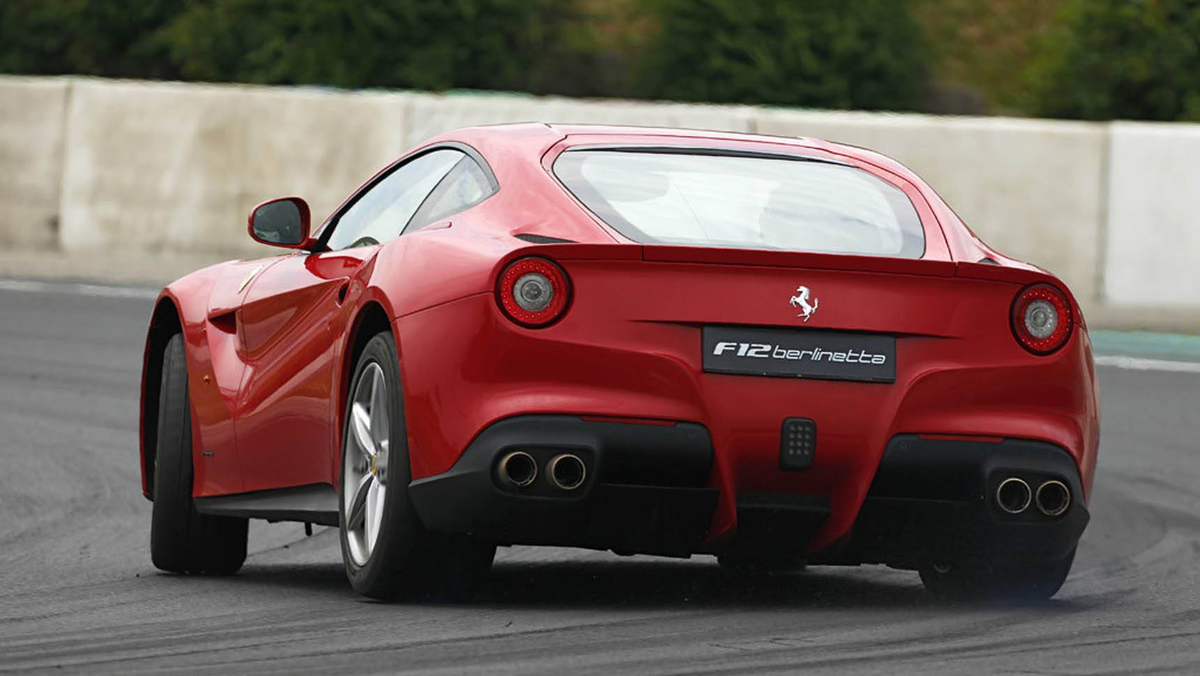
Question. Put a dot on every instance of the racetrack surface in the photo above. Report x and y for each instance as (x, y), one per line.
(78, 591)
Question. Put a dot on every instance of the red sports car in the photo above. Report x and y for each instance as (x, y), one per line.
(776, 350)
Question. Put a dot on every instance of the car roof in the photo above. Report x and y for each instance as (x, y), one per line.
(535, 137)
(532, 139)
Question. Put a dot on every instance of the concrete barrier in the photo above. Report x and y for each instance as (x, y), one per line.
(1033, 189)
(431, 114)
(1153, 245)
(173, 167)
(31, 155)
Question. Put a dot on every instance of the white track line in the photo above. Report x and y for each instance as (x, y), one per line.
(78, 289)
(1144, 364)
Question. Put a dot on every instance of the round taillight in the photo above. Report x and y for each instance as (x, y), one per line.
(533, 292)
(1041, 318)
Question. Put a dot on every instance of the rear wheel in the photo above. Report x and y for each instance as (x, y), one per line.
(386, 550)
(181, 539)
(1029, 582)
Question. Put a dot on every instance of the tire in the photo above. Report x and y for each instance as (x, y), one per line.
(181, 539)
(387, 552)
(1031, 582)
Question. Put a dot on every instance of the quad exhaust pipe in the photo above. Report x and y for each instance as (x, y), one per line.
(566, 471)
(517, 469)
(1014, 496)
(1053, 498)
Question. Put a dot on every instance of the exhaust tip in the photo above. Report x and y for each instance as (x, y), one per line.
(517, 469)
(1013, 495)
(566, 471)
(1053, 498)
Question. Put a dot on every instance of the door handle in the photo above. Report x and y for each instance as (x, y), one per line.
(341, 292)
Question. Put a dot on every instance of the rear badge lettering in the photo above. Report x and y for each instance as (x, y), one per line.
(831, 355)
(768, 351)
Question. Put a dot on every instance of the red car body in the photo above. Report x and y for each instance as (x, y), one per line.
(270, 345)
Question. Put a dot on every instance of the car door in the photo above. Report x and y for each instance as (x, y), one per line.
(293, 324)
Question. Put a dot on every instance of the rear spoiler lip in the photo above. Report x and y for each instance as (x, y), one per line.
(578, 252)
(1007, 273)
(655, 253)
(797, 259)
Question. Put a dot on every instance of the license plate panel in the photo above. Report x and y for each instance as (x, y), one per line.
(792, 353)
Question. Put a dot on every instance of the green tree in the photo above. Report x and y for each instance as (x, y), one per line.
(1122, 59)
(850, 54)
(987, 46)
(87, 37)
(423, 44)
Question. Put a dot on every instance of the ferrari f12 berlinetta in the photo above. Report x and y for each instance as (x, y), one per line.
(778, 351)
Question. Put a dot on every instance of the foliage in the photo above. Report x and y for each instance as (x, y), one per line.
(850, 54)
(987, 46)
(865, 53)
(88, 37)
(423, 44)
(1091, 59)
(1128, 59)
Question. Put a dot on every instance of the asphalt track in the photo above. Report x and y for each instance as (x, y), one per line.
(78, 592)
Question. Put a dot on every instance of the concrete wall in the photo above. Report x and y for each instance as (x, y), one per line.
(172, 167)
(31, 155)
(1153, 241)
(431, 114)
(97, 165)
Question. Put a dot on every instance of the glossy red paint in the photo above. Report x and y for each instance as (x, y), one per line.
(628, 347)
(293, 322)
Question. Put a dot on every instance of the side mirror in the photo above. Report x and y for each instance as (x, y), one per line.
(282, 222)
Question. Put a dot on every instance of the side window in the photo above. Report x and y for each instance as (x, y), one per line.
(465, 186)
(381, 213)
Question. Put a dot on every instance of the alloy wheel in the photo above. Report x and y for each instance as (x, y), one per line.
(364, 482)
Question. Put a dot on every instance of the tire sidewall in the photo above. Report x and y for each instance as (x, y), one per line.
(172, 526)
(399, 527)
(181, 539)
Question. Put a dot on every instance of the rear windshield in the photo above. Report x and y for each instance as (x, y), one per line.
(751, 201)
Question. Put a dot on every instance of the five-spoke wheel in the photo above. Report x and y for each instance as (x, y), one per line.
(364, 488)
(387, 550)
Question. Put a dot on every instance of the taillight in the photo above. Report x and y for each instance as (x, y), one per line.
(1041, 319)
(533, 292)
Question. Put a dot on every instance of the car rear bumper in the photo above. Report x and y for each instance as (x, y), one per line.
(652, 487)
(933, 500)
(466, 368)
(646, 488)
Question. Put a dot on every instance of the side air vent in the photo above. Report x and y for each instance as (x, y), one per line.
(543, 239)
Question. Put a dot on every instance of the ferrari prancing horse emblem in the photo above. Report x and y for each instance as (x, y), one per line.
(800, 300)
